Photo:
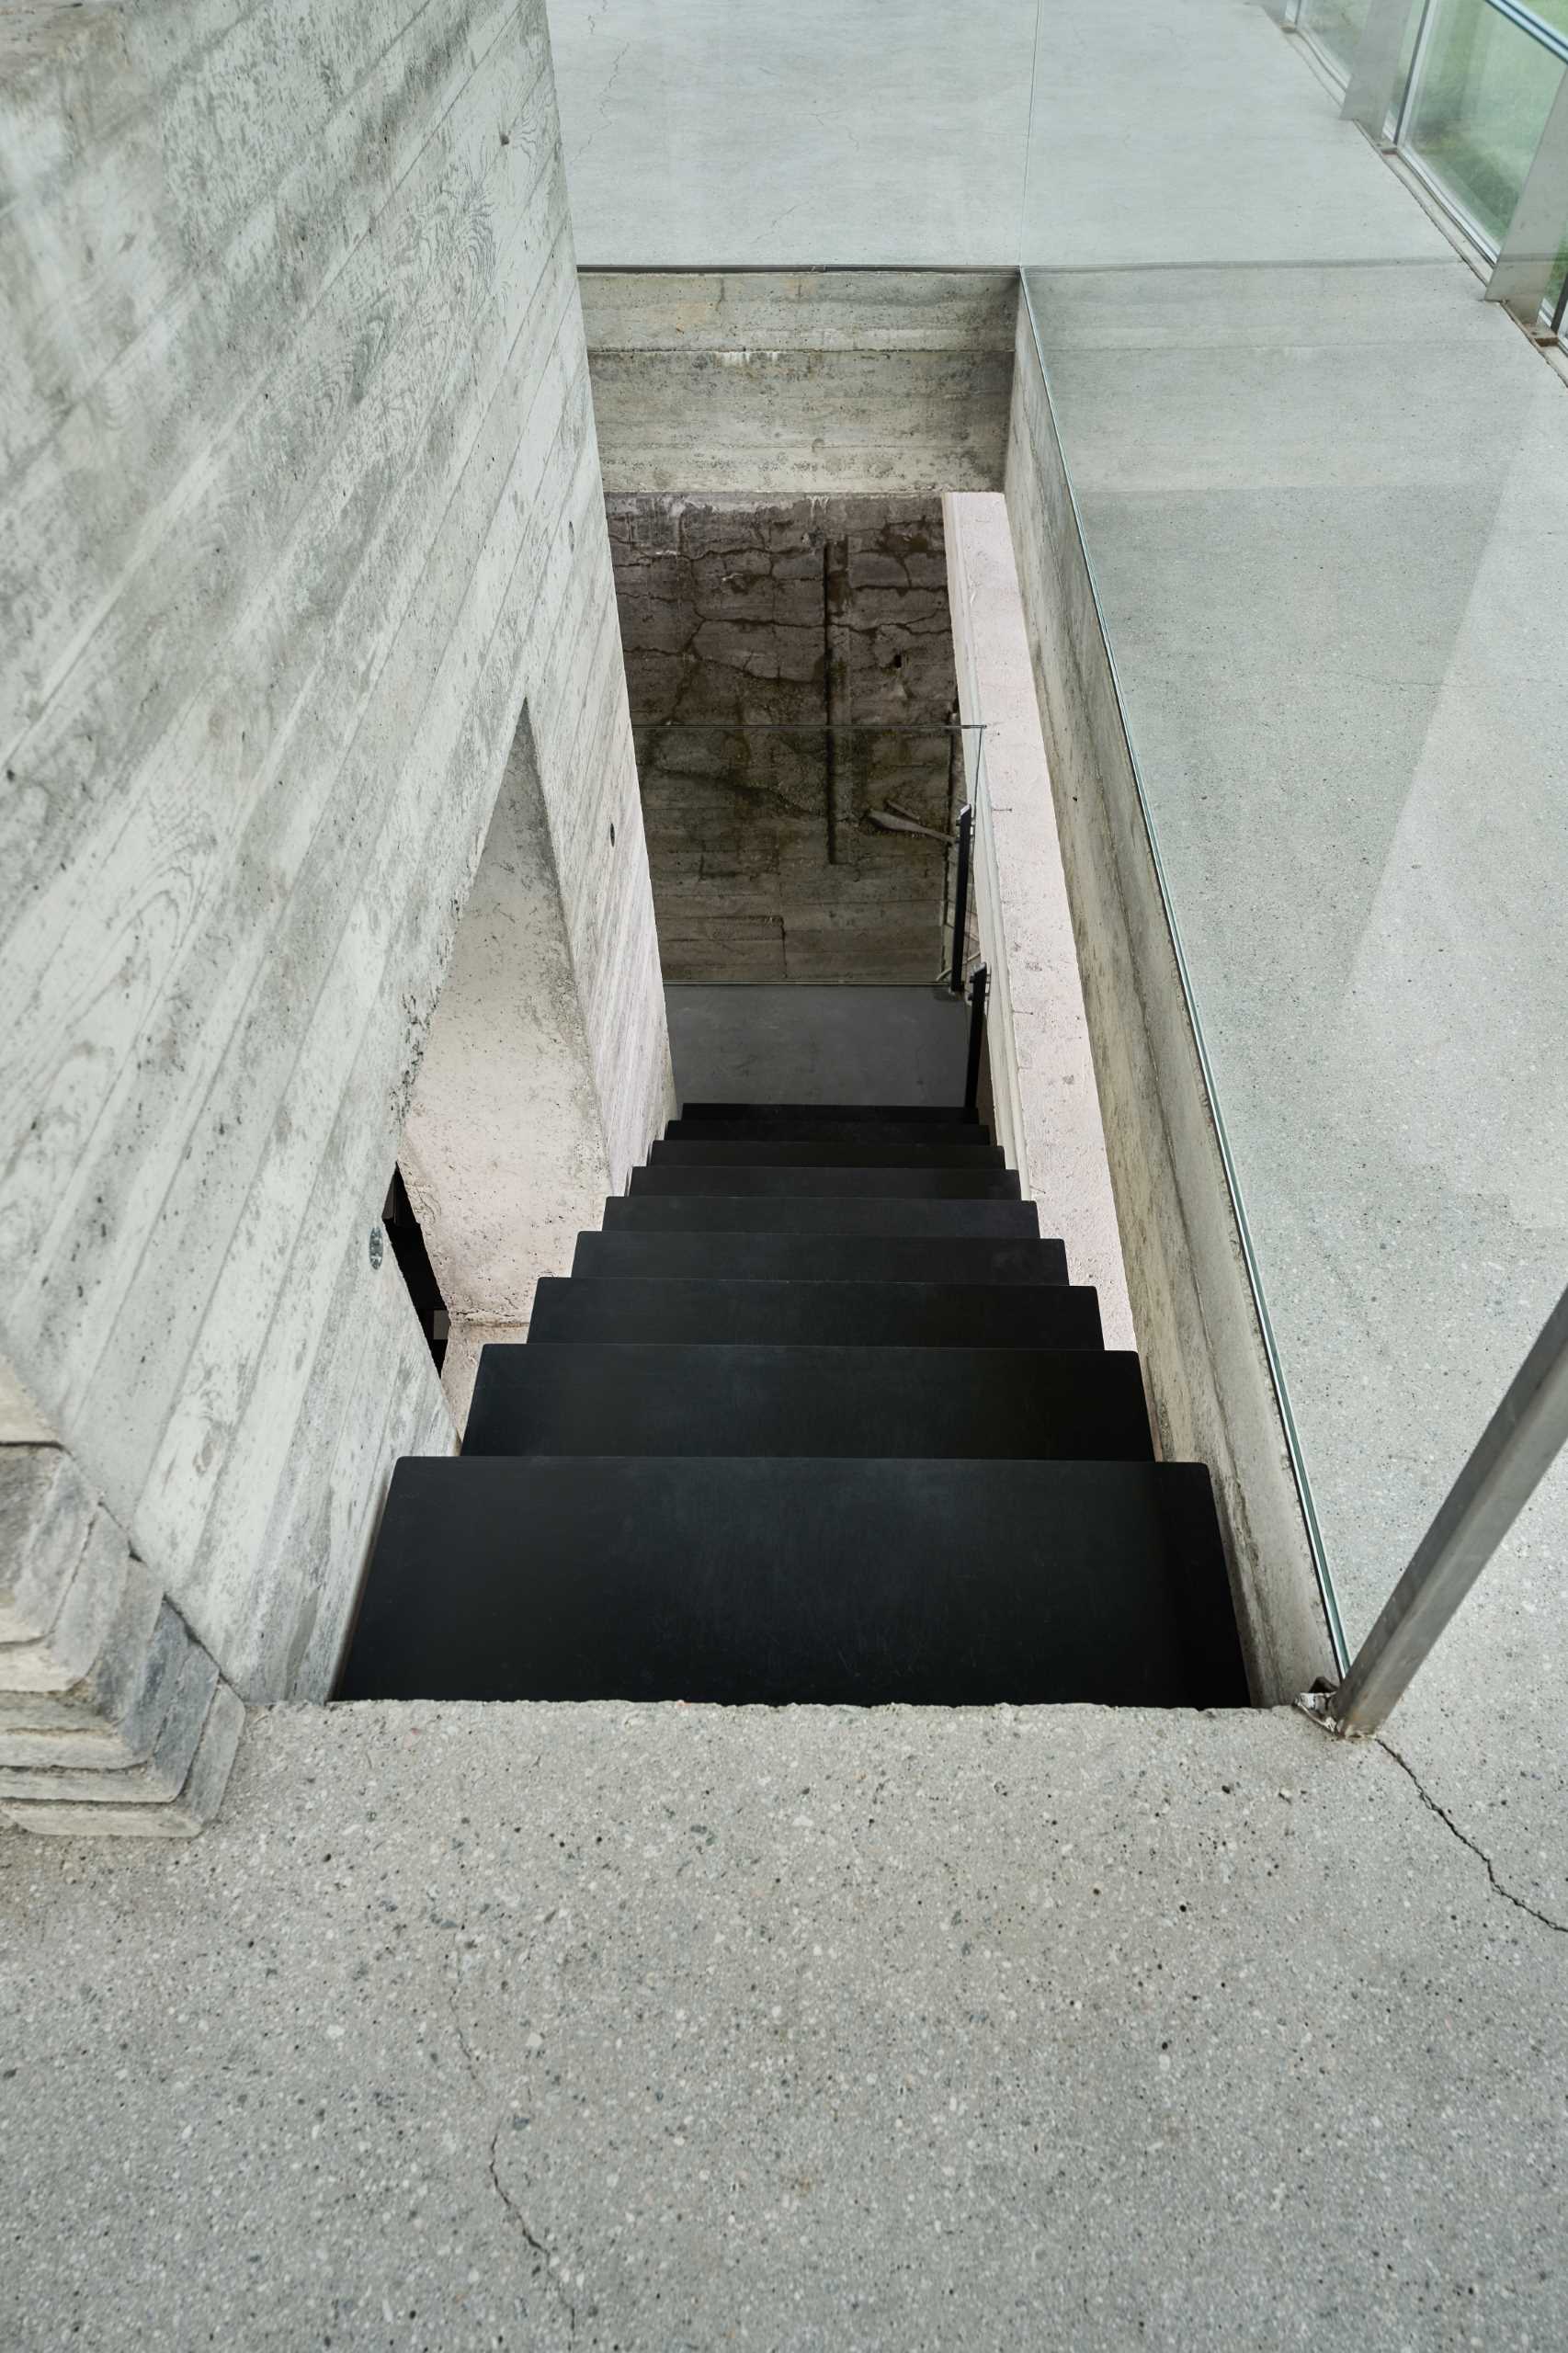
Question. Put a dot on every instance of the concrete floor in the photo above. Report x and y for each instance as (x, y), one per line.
(703, 134)
(817, 1045)
(609, 2026)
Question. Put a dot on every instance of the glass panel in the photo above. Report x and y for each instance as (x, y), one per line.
(1336, 25)
(1322, 497)
(1484, 89)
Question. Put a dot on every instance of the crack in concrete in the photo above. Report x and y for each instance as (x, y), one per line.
(554, 2278)
(603, 100)
(1559, 1927)
(449, 1975)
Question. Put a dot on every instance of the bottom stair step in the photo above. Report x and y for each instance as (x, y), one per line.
(858, 1583)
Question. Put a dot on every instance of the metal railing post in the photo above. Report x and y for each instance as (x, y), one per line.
(960, 901)
(1517, 1448)
(1522, 272)
(977, 994)
(1374, 69)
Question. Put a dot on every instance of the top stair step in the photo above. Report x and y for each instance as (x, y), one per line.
(834, 1583)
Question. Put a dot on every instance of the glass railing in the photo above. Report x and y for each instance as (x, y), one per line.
(1322, 488)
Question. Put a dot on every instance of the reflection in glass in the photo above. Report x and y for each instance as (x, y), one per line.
(1484, 89)
(1336, 25)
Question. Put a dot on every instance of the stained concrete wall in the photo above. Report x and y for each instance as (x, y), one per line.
(791, 669)
(305, 506)
(778, 382)
(1204, 1358)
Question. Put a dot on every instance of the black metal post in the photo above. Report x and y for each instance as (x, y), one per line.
(960, 901)
(977, 992)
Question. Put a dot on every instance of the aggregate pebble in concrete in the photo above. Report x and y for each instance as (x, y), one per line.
(808, 2030)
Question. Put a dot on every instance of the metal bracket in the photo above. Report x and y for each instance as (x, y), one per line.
(1318, 1704)
(1374, 69)
(1521, 275)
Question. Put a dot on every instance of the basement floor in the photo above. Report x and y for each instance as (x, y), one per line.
(679, 2027)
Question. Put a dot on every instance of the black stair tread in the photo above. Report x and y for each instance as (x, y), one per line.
(828, 1582)
(777, 1213)
(939, 1152)
(878, 1315)
(891, 1184)
(651, 1397)
(822, 1257)
(866, 1111)
(804, 1129)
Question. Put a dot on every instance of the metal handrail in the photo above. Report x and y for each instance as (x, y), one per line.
(1537, 27)
(979, 986)
(1513, 1455)
(961, 900)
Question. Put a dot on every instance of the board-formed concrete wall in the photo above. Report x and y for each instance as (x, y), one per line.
(778, 382)
(304, 508)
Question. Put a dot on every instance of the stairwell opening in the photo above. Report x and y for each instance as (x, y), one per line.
(722, 1434)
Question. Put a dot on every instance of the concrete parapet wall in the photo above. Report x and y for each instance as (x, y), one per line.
(306, 507)
(783, 381)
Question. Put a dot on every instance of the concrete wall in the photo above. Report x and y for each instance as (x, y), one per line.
(1197, 1324)
(783, 618)
(504, 1153)
(780, 381)
(305, 506)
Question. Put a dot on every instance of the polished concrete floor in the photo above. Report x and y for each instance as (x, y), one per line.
(814, 2030)
(1073, 133)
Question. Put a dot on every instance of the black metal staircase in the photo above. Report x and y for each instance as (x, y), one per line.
(817, 1417)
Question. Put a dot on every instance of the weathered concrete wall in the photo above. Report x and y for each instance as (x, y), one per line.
(776, 382)
(1204, 1358)
(305, 506)
(1046, 1108)
(817, 631)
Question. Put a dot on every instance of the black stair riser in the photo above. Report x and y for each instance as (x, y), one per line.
(729, 1213)
(859, 1584)
(869, 1113)
(886, 1184)
(940, 1155)
(822, 1257)
(633, 1397)
(805, 1130)
(867, 1314)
